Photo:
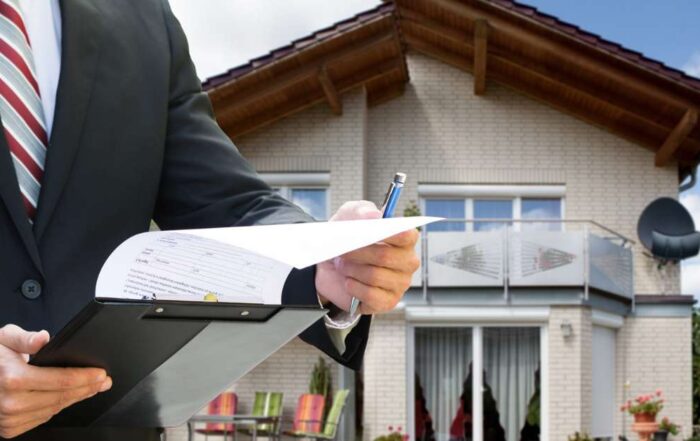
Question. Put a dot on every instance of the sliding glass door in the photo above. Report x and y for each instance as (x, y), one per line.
(446, 360)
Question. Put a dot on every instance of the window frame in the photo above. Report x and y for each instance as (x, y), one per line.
(286, 183)
(472, 193)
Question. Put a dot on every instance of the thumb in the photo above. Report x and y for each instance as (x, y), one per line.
(354, 210)
(24, 342)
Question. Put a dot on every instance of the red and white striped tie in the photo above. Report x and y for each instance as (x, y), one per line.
(20, 105)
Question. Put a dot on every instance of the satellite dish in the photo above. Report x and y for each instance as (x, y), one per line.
(667, 230)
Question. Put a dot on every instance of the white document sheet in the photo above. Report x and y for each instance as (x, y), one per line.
(238, 264)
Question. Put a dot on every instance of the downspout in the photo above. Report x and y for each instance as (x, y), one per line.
(691, 183)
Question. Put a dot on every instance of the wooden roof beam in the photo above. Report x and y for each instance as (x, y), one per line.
(573, 55)
(481, 31)
(234, 127)
(221, 95)
(676, 137)
(329, 90)
(561, 101)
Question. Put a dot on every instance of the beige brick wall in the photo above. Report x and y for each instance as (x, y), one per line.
(385, 376)
(569, 372)
(440, 132)
(656, 353)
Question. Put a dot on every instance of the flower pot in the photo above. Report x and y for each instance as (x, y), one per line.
(661, 435)
(644, 417)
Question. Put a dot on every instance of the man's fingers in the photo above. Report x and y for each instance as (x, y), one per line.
(374, 276)
(54, 379)
(9, 432)
(387, 256)
(374, 300)
(34, 403)
(405, 239)
(21, 341)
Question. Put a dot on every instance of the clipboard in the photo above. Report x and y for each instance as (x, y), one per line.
(167, 359)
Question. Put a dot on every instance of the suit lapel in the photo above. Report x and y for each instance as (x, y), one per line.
(9, 193)
(81, 40)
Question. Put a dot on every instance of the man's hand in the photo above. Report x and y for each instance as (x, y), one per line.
(378, 275)
(29, 395)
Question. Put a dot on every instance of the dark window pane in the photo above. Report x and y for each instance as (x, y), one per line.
(447, 208)
(313, 201)
(541, 209)
(492, 209)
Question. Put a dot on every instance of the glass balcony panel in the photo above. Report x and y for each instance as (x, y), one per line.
(610, 266)
(465, 259)
(546, 258)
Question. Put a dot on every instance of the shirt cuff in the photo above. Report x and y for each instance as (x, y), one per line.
(339, 324)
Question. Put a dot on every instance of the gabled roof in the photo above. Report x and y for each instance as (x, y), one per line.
(578, 72)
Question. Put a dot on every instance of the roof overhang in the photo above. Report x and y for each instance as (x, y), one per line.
(362, 51)
(496, 40)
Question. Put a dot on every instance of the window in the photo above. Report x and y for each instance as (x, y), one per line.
(307, 190)
(475, 202)
(492, 209)
(447, 208)
(450, 363)
(541, 209)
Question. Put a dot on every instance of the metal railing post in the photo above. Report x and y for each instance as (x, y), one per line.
(424, 262)
(506, 262)
(586, 261)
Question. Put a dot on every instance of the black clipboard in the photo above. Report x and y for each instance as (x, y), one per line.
(167, 359)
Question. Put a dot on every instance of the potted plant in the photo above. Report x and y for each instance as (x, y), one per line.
(394, 435)
(666, 427)
(320, 387)
(644, 408)
(579, 436)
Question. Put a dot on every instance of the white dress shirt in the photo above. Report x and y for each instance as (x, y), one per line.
(42, 18)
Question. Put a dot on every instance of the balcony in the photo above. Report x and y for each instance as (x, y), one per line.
(494, 254)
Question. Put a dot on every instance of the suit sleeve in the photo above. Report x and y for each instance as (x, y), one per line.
(206, 182)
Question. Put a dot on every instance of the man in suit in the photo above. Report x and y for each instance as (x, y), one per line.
(105, 128)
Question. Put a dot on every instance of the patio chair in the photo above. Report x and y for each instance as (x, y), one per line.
(224, 404)
(309, 415)
(267, 404)
(330, 428)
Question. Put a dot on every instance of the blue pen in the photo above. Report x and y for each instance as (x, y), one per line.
(388, 206)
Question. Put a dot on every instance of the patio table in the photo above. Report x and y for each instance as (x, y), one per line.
(241, 420)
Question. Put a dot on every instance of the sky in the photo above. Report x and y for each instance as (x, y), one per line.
(227, 33)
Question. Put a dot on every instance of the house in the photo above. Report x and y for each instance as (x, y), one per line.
(542, 143)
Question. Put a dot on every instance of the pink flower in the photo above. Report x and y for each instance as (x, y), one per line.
(398, 429)
(659, 392)
(390, 428)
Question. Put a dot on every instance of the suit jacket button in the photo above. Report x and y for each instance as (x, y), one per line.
(31, 289)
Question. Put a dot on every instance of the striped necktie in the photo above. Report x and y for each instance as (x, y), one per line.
(20, 105)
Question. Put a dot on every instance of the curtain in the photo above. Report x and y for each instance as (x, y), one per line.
(442, 363)
(511, 363)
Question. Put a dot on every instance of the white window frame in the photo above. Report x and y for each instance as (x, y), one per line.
(515, 193)
(285, 183)
(477, 319)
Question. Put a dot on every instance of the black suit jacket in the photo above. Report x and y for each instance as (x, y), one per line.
(133, 139)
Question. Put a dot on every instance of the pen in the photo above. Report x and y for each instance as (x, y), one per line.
(388, 206)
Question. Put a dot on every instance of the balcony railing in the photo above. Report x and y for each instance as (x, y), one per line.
(495, 253)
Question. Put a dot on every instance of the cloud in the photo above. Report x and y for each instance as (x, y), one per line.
(227, 33)
(692, 67)
(690, 273)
